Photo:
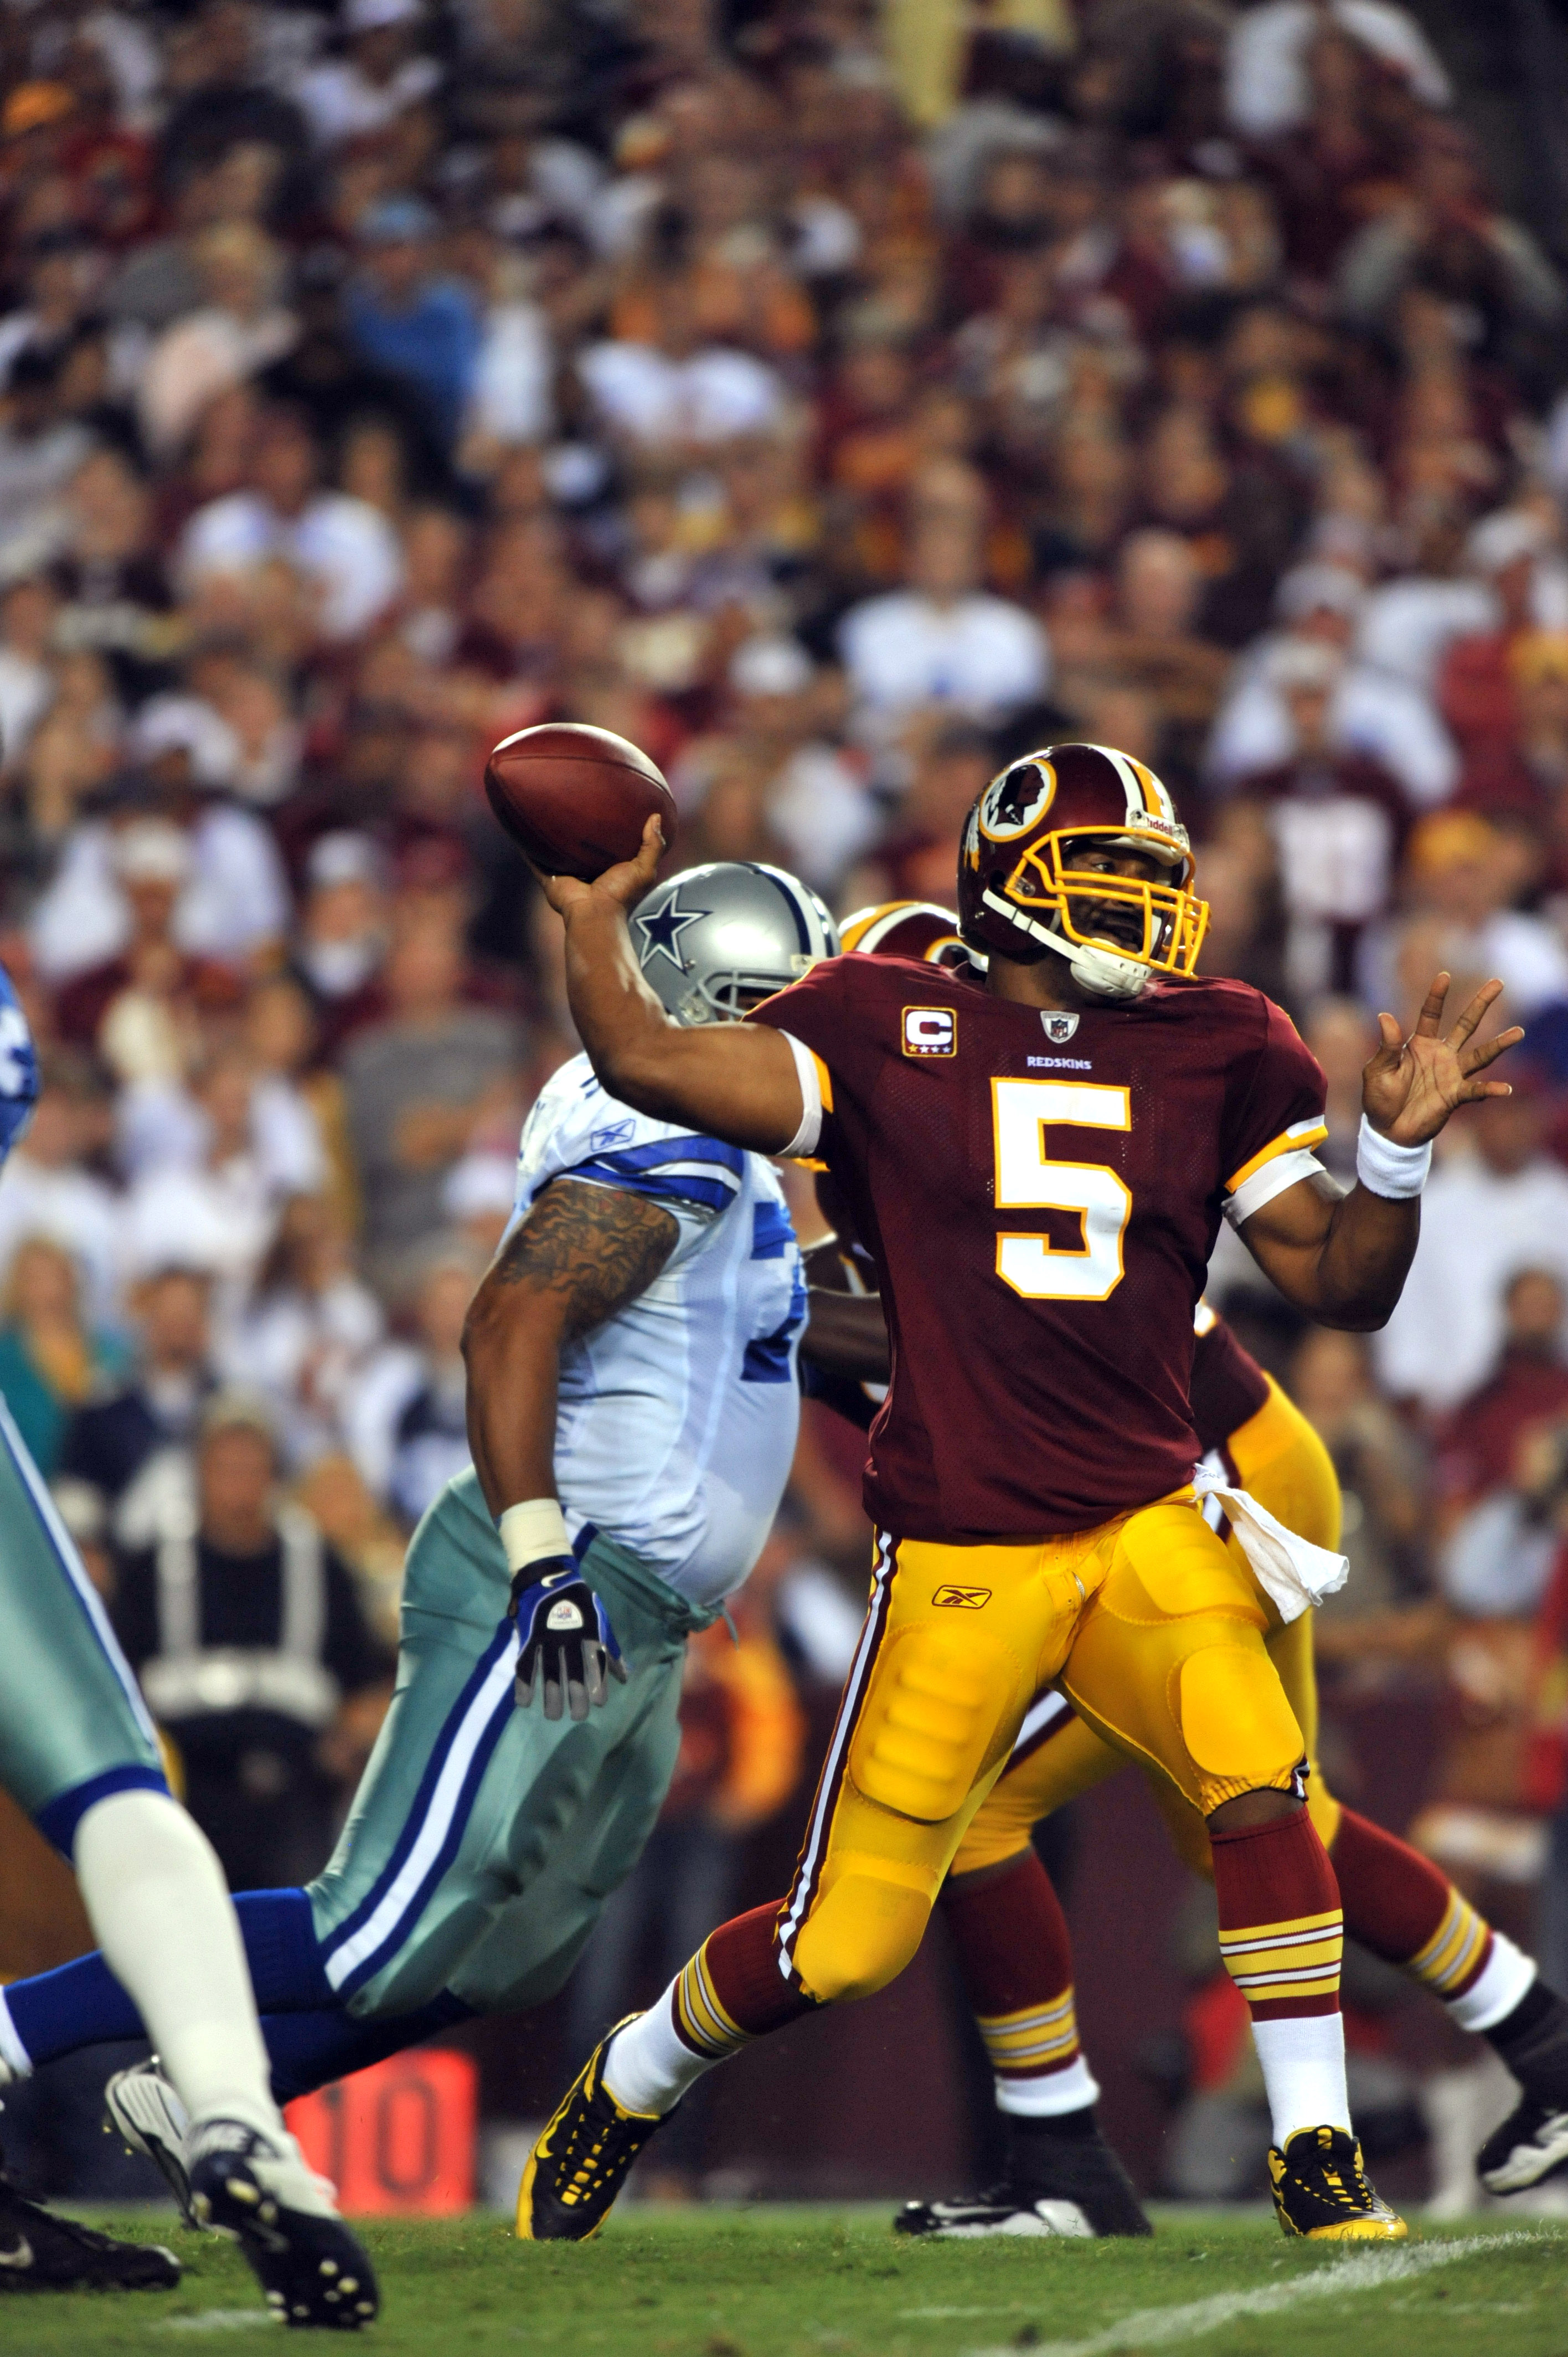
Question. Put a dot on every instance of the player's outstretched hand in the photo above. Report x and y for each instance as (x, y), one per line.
(623, 884)
(566, 1639)
(1411, 1086)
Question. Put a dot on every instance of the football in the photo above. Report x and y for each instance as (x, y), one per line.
(574, 798)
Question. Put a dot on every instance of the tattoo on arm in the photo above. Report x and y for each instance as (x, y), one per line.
(597, 1246)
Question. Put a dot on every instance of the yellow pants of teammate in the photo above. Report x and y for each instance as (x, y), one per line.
(1152, 1627)
(1280, 1458)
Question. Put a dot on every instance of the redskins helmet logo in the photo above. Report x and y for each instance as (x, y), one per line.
(1017, 799)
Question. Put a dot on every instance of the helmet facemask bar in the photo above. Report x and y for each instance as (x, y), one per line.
(1172, 921)
(729, 996)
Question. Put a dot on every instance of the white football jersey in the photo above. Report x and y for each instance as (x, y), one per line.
(676, 1423)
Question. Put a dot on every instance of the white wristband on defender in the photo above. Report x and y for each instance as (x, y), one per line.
(1385, 1169)
(531, 1532)
(806, 1137)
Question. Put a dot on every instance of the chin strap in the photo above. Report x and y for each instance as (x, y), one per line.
(1106, 972)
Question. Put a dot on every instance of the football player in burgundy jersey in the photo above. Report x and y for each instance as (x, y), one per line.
(1007, 1928)
(1037, 1164)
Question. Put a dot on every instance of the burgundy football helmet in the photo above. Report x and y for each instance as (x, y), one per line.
(906, 928)
(1020, 895)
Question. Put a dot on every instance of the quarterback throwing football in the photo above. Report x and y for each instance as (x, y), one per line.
(1038, 1166)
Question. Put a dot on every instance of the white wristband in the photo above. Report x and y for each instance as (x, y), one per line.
(1385, 1169)
(532, 1531)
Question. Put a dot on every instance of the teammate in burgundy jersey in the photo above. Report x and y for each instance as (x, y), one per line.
(1038, 1166)
(1011, 1940)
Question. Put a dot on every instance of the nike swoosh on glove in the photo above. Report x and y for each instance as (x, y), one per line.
(566, 1639)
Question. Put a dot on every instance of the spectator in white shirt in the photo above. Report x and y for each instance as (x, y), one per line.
(307, 1336)
(944, 640)
(1372, 712)
(405, 1416)
(241, 328)
(1497, 1204)
(49, 1191)
(1267, 88)
(342, 545)
(381, 75)
(233, 895)
(1407, 625)
(1463, 874)
(206, 1178)
(676, 394)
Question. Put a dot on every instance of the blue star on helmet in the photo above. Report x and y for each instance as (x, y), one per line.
(662, 930)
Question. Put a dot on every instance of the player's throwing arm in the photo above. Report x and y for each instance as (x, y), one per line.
(729, 1080)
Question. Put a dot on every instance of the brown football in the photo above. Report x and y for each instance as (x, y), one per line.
(575, 800)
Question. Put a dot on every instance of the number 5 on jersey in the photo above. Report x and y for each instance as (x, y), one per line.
(1027, 1179)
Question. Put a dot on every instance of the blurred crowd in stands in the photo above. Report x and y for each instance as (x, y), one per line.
(836, 398)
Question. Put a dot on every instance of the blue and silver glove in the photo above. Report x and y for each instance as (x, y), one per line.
(564, 1636)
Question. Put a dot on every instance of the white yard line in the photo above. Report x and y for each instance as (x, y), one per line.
(220, 2319)
(1364, 2271)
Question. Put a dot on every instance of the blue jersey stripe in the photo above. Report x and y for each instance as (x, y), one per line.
(712, 1194)
(663, 1150)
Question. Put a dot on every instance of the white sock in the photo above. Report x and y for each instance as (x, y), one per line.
(1492, 1996)
(16, 2062)
(1045, 2098)
(156, 1900)
(1303, 2060)
(649, 2068)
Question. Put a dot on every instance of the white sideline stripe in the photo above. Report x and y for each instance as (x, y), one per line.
(438, 1822)
(1366, 2271)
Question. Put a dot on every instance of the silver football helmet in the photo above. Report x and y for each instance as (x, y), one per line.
(713, 942)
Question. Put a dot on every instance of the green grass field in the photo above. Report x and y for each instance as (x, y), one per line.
(781, 2282)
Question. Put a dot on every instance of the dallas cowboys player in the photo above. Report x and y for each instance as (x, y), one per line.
(78, 1751)
(632, 1411)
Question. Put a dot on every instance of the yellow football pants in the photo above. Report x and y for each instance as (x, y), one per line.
(1148, 1622)
(1281, 1461)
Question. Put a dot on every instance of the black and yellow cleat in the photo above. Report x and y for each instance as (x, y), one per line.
(1322, 2190)
(580, 2159)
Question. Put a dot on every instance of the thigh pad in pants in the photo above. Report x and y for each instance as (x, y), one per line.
(1170, 1664)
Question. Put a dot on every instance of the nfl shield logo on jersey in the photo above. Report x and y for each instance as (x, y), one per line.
(1058, 1026)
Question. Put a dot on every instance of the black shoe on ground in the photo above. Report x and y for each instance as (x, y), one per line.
(580, 2159)
(1075, 2187)
(1530, 2145)
(314, 2273)
(1323, 2191)
(39, 2252)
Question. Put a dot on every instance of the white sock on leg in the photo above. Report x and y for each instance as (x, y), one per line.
(649, 2068)
(1506, 1977)
(156, 1897)
(1302, 2061)
(16, 2062)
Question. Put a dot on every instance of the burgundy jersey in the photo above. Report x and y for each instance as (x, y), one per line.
(1228, 1386)
(1041, 1194)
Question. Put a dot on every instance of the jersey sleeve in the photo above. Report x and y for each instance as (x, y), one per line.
(576, 1131)
(833, 1047)
(1269, 1143)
